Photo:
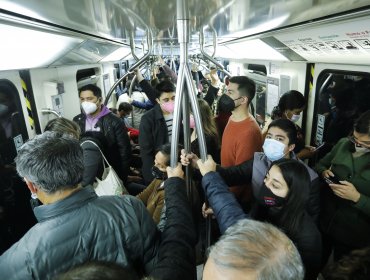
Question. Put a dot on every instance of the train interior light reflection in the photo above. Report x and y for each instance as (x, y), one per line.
(118, 54)
(25, 48)
(254, 49)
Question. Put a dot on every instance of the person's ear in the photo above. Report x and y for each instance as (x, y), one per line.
(291, 147)
(30, 186)
(158, 101)
(287, 114)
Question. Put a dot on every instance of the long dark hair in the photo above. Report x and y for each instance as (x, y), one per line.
(208, 121)
(290, 100)
(298, 180)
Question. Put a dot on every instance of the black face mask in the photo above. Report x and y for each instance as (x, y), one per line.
(158, 174)
(267, 198)
(35, 202)
(226, 103)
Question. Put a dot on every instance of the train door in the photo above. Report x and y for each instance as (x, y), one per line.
(16, 216)
(341, 95)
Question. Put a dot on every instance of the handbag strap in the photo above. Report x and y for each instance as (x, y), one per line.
(105, 161)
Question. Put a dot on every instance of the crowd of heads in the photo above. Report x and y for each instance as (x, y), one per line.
(249, 247)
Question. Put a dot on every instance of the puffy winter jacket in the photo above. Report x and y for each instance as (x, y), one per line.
(80, 228)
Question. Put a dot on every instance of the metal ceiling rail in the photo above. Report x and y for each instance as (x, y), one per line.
(207, 56)
(137, 64)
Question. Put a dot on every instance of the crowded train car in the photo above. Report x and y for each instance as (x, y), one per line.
(214, 139)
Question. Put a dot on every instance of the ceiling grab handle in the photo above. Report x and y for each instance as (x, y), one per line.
(132, 45)
(325, 83)
(129, 95)
(172, 62)
(50, 111)
(207, 56)
(114, 86)
(184, 76)
(142, 60)
(133, 67)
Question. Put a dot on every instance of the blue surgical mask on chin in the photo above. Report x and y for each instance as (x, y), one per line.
(273, 149)
(295, 118)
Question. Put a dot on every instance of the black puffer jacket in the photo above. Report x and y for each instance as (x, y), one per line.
(118, 150)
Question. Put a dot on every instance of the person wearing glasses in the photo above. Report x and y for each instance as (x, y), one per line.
(345, 219)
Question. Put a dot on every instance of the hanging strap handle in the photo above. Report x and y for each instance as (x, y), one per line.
(105, 161)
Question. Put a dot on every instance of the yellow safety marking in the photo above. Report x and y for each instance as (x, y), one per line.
(28, 105)
(311, 77)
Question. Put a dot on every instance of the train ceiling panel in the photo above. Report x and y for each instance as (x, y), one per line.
(347, 42)
(115, 20)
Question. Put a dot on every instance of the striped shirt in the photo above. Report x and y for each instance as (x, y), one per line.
(169, 119)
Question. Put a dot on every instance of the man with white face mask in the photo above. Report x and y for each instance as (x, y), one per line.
(97, 119)
(279, 143)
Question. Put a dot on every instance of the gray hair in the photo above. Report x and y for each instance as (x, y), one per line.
(258, 247)
(51, 161)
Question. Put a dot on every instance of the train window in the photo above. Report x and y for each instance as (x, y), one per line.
(341, 98)
(258, 73)
(87, 76)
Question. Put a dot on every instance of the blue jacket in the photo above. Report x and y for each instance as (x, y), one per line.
(223, 202)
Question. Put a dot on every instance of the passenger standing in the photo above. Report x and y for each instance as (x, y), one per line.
(97, 118)
(210, 131)
(242, 135)
(345, 219)
(92, 159)
(291, 104)
(213, 94)
(140, 103)
(279, 143)
(281, 201)
(255, 249)
(156, 127)
(176, 250)
(124, 110)
(74, 224)
(153, 195)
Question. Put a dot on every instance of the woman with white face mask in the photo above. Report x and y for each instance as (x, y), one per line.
(290, 107)
(346, 213)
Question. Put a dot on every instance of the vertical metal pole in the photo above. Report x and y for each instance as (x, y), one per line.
(176, 118)
(184, 73)
(129, 95)
(195, 108)
(187, 142)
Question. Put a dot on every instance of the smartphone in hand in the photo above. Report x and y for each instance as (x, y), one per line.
(332, 180)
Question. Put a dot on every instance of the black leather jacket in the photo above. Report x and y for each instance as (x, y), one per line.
(118, 147)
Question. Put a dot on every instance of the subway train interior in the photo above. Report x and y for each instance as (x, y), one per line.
(50, 49)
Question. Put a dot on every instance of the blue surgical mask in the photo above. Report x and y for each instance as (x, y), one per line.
(273, 149)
